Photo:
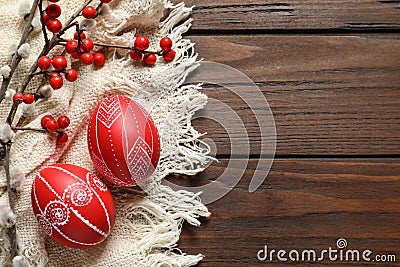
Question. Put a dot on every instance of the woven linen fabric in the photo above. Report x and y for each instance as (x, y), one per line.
(148, 222)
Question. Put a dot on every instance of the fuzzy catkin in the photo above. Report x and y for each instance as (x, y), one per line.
(147, 226)
(6, 133)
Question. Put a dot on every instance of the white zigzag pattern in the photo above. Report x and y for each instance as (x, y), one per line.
(139, 159)
(109, 111)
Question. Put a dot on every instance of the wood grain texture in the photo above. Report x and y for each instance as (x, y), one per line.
(303, 204)
(338, 15)
(334, 93)
(330, 95)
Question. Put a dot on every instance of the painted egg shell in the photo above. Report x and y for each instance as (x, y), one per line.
(123, 141)
(72, 205)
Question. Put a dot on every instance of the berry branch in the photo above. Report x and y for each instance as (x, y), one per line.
(46, 38)
(28, 129)
(55, 71)
(129, 48)
(46, 49)
(98, 9)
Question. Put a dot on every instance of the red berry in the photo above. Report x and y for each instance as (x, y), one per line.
(71, 75)
(53, 11)
(44, 62)
(83, 35)
(71, 46)
(105, 1)
(52, 125)
(59, 62)
(76, 55)
(169, 55)
(45, 17)
(28, 98)
(56, 82)
(18, 97)
(166, 44)
(54, 25)
(99, 59)
(87, 45)
(45, 119)
(136, 55)
(89, 12)
(54, 74)
(150, 59)
(142, 43)
(87, 58)
(63, 122)
(54, 1)
(62, 138)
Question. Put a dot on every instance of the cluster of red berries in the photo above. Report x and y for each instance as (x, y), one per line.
(59, 64)
(52, 125)
(84, 52)
(150, 59)
(53, 11)
(26, 98)
(50, 17)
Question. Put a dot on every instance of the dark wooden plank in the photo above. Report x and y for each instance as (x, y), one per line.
(330, 95)
(338, 15)
(303, 204)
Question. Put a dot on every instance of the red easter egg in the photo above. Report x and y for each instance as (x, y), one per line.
(72, 205)
(123, 141)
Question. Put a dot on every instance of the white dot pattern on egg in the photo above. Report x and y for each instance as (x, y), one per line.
(64, 197)
(123, 141)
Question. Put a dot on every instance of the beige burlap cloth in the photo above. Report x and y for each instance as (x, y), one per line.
(148, 225)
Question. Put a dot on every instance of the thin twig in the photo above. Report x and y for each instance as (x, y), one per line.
(43, 72)
(98, 8)
(79, 31)
(66, 28)
(46, 38)
(76, 14)
(128, 48)
(17, 58)
(47, 72)
(33, 130)
(29, 129)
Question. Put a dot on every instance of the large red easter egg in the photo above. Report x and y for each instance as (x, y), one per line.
(123, 141)
(72, 205)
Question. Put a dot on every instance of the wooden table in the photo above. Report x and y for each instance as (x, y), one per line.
(330, 70)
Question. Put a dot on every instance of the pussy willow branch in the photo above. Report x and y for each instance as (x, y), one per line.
(12, 232)
(16, 59)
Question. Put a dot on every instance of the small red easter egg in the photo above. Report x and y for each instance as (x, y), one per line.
(123, 141)
(72, 205)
